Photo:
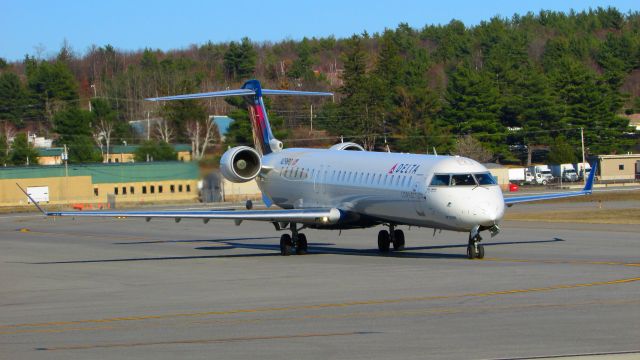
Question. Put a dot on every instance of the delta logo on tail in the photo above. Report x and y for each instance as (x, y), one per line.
(404, 169)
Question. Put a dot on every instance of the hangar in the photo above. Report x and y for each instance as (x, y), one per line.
(99, 184)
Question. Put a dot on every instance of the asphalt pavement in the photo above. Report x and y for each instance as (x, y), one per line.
(125, 288)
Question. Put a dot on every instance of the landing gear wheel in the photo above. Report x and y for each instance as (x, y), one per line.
(286, 245)
(471, 251)
(398, 240)
(384, 241)
(475, 250)
(301, 244)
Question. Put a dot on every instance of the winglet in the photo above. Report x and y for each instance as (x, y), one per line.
(588, 187)
(30, 198)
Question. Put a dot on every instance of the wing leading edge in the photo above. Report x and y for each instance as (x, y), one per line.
(587, 190)
(303, 216)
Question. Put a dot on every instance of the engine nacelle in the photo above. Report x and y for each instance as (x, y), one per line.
(350, 146)
(240, 164)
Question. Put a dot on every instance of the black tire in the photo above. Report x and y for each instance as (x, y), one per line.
(383, 241)
(480, 254)
(301, 244)
(471, 252)
(286, 245)
(398, 240)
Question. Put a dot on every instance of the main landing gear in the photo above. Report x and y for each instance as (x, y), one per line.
(475, 250)
(392, 237)
(295, 242)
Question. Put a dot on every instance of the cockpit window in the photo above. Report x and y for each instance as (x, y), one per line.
(485, 179)
(440, 180)
(462, 180)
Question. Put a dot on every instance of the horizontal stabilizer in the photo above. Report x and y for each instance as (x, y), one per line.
(239, 92)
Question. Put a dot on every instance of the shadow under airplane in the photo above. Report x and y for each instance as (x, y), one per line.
(274, 250)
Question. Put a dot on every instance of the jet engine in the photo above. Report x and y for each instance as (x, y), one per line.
(350, 146)
(240, 164)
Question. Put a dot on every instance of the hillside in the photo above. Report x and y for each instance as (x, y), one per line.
(512, 84)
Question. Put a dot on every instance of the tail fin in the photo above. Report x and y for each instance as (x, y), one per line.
(263, 138)
(588, 186)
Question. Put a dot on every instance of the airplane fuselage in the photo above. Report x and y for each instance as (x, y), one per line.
(378, 187)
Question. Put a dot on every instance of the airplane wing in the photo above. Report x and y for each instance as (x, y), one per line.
(324, 216)
(303, 216)
(587, 190)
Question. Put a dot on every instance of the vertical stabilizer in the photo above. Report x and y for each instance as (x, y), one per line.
(263, 139)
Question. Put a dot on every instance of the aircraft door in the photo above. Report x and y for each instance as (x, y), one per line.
(418, 195)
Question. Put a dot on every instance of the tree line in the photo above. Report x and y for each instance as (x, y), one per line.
(505, 90)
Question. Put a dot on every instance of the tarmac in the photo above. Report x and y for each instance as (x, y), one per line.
(125, 288)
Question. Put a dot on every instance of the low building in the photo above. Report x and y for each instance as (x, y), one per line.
(117, 154)
(97, 184)
(223, 123)
(500, 173)
(126, 153)
(618, 167)
(50, 156)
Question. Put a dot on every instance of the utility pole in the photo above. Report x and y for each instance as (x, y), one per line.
(584, 166)
(311, 118)
(94, 95)
(65, 156)
(148, 126)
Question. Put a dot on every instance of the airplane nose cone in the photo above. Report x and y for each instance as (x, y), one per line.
(490, 211)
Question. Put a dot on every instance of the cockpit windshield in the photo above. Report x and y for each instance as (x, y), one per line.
(485, 179)
(463, 179)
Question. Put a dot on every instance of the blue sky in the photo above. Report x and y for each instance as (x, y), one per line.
(26, 25)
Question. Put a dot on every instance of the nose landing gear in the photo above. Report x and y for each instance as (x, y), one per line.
(296, 241)
(475, 250)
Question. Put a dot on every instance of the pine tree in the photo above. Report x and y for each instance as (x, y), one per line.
(22, 153)
(74, 127)
(13, 98)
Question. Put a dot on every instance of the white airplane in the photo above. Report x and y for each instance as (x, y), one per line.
(346, 187)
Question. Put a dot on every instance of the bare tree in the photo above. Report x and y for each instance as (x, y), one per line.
(164, 130)
(10, 132)
(468, 146)
(202, 133)
(103, 130)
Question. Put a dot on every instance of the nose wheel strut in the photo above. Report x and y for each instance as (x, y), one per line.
(475, 250)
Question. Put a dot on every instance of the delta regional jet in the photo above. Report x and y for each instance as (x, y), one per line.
(346, 187)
